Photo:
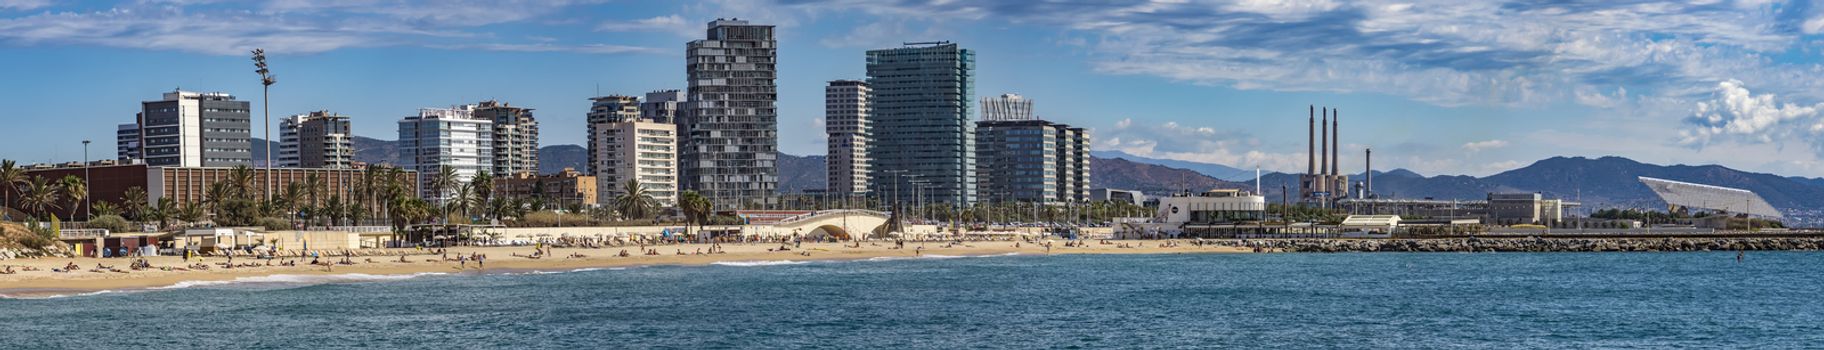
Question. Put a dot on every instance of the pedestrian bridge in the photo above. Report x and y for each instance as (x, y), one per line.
(841, 223)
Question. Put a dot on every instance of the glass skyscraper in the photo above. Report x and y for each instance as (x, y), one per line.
(924, 144)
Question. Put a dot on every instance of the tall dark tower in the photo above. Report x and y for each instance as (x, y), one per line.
(1323, 149)
(1311, 142)
(1335, 142)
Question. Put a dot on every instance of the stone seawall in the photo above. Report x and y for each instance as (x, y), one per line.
(1531, 244)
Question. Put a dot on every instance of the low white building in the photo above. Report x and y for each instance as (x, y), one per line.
(1178, 212)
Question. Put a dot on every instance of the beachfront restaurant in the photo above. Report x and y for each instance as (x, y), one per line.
(214, 239)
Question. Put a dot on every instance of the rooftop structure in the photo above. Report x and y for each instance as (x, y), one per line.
(1692, 195)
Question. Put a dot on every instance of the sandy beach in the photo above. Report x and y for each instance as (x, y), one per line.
(45, 282)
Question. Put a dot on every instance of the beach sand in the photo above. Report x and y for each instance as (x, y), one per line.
(45, 283)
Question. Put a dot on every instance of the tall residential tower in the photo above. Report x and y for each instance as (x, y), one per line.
(625, 145)
(318, 139)
(453, 137)
(515, 137)
(845, 114)
(730, 125)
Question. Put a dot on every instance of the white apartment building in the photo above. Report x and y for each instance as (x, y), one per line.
(445, 137)
(845, 113)
(318, 139)
(624, 145)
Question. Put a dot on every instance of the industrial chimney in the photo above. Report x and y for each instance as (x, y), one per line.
(1368, 162)
(1311, 142)
(1323, 141)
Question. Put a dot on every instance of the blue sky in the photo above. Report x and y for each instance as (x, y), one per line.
(1439, 87)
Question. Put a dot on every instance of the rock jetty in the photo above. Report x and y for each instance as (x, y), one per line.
(1532, 244)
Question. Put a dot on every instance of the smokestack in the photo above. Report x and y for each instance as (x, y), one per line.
(1368, 162)
(1311, 142)
(1335, 142)
(1323, 140)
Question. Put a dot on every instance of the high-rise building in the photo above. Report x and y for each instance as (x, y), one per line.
(730, 124)
(126, 143)
(1031, 160)
(436, 138)
(662, 106)
(623, 145)
(1006, 107)
(515, 137)
(195, 129)
(845, 118)
(920, 109)
(318, 139)
(603, 111)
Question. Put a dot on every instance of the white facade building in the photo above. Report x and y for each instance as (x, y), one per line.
(624, 145)
(845, 113)
(445, 137)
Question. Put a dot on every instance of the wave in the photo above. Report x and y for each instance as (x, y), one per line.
(760, 263)
(302, 279)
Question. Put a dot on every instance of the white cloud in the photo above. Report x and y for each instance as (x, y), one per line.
(887, 33)
(668, 23)
(1478, 146)
(23, 5)
(292, 26)
(1739, 114)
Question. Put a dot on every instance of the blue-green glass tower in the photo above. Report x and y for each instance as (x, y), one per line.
(924, 147)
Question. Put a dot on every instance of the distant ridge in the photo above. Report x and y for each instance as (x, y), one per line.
(1218, 171)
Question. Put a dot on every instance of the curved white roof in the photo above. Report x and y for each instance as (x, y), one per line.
(1703, 196)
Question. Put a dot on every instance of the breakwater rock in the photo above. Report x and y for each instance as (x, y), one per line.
(1532, 244)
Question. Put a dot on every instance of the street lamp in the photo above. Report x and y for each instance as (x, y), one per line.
(266, 81)
(88, 210)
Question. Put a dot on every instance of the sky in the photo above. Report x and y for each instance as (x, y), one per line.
(1437, 87)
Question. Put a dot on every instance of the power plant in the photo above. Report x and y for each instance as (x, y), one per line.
(1323, 184)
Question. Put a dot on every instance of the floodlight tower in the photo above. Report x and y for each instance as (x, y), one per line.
(266, 80)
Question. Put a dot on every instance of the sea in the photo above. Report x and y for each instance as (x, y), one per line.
(1767, 300)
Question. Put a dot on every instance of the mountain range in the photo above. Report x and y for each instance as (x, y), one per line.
(1218, 171)
(1596, 182)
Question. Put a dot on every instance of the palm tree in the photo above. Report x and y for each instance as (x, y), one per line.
(104, 209)
(74, 189)
(634, 202)
(134, 202)
(483, 189)
(291, 198)
(333, 209)
(189, 212)
(695, 206)
(11, 177)
(162, 212)
(40, 196)
(445, 180)
(464, 198)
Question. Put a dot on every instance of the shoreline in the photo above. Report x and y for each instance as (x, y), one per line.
(44, 284)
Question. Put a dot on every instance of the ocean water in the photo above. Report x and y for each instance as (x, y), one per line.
(1439, 300)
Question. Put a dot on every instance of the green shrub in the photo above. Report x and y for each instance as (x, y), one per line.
(275, 224)
(112, 223)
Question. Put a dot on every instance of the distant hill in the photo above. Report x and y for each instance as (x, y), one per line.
(1599, 182)
(798, 174)
(553, 159)
(1219, 171)
(1125, 174)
